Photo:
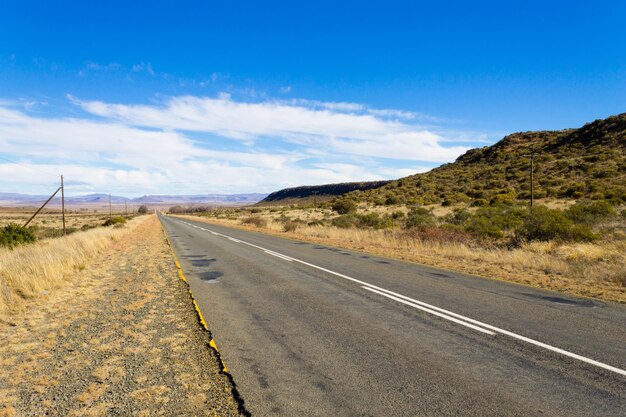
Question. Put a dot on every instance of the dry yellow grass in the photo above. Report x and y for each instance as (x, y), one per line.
(52, 219)
(110, 340)
(591, 270)
(34, 270)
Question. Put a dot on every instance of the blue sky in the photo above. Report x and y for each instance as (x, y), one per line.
(201, 97)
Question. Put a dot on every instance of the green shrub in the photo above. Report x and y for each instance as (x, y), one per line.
(13, 235)
(143, 209)
(420, 217)
(590, 213)
(392, 200)
(480, 202)
(503, 199)
(544, 224)
(345, 221)
(114, 220)
(482, 227)
(492, 222)
(344, 206)
(370, 220)
(458, 217)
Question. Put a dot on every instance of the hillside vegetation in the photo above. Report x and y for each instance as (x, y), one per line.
(589, 162)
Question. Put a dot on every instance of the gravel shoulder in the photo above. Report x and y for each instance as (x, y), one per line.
(124, 339)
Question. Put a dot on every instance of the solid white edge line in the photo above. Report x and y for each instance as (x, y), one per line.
(433, 312)
(450, 313)
(514, 335)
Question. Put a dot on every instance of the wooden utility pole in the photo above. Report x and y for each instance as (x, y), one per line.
(63, 204)
(42, 206)
(110, 210)
(126, 207)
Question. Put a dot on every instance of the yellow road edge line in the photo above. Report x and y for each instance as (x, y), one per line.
(203, 323)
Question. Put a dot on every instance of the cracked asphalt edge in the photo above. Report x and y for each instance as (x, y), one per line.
(203, 324)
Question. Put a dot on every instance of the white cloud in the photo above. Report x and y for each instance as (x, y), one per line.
(91, 66)
(170, 148)
(350, 133)
(143, 66)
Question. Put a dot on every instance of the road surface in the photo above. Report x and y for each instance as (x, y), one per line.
(311, 330)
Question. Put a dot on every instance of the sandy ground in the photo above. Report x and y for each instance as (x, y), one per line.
(124, 339)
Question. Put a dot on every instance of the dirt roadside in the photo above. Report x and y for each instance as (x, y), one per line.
(124, 339)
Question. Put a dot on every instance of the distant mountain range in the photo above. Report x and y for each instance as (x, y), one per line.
(15, 199)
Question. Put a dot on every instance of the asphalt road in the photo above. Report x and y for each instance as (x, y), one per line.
(310, 330)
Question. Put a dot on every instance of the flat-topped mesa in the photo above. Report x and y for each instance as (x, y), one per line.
(323, 192)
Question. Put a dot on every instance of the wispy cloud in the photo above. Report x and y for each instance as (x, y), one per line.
(216, 144)
(91, 66)
(348, 128)
(143, 66)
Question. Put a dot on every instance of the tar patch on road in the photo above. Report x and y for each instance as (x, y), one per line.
(577, 302)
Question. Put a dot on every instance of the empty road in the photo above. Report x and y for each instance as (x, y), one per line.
(310, 330)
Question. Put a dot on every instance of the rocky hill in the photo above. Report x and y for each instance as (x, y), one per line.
(589, 162)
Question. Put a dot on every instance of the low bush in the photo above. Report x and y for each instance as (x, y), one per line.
(176, 209)
(545, 224)
(257, 221)
(114, 221)
(344, 206)
(290, 226)
(482, 227)
(492, 222)
(590, 213)
(392, 200)
(445, 235)
(480, 202)
(345, 221)
(503, 199)
(420, 217)
(370, 220)
(458, 217)
(13, 235)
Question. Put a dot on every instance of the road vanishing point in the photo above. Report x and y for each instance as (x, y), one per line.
(312, 330)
